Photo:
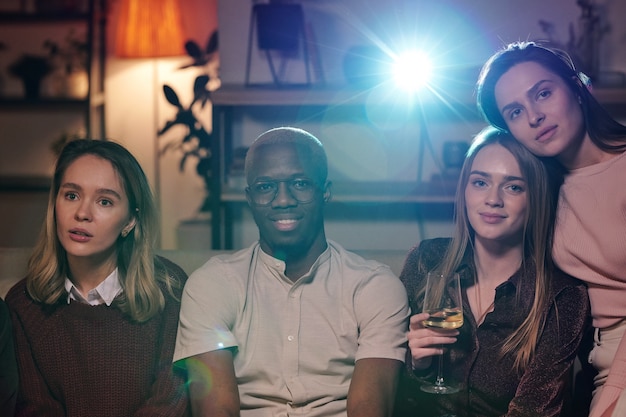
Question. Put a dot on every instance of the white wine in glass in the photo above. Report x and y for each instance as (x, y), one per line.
(442, 302)
(447, 318)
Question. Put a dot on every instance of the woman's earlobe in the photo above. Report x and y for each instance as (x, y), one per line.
(127, 230)
(129, 227)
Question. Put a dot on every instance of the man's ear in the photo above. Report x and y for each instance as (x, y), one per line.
(248, 199)
(328, 194)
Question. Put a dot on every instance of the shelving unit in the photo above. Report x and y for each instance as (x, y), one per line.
(308, 104)
(30, 127)
(92, 17)
(230, 102)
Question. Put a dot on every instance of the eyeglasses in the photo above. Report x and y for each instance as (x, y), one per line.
(262, 193)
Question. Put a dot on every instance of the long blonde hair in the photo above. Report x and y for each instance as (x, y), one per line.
(140, 273)
(543, 180)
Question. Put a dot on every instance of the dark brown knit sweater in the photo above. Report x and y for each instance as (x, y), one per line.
(79, 360)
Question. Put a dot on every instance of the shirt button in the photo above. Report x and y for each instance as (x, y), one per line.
(290, 338)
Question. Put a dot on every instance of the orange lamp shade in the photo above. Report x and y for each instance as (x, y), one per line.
(149, 29)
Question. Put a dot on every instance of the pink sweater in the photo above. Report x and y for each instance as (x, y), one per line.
(590, 244)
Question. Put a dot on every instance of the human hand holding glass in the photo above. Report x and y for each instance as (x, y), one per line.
(442, 302)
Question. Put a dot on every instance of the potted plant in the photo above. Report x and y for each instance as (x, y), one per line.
(196, 143)
(69, 61)
(31, 69)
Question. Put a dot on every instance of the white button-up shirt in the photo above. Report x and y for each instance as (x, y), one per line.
(104, 293)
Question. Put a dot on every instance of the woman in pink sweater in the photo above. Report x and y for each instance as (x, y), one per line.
(537, 95)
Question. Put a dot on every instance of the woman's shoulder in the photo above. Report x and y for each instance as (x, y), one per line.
(164, 265)
(425, 255)
(32, 313)
(428, 246)
(569, 302)
(562, 281)
(172, 277)
(17, 294)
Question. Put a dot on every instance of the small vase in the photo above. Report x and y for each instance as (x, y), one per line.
(32, 87)
(54, 85)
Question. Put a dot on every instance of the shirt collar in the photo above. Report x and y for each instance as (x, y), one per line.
(104, 293)
(467, 271)
(279, 266)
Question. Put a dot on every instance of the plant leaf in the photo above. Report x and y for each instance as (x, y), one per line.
(212, 44)
(193, 50)
(171, 96)
(200, 92)
(166, 127)
(181, 166)
(200, 82)
(205, 99)
(187, 138)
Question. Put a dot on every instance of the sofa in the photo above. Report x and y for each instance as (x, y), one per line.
(13, 264)
(13, 261)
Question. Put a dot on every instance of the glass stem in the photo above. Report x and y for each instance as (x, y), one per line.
(439, 382)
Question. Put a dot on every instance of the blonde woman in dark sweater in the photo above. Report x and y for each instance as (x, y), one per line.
(95, 318)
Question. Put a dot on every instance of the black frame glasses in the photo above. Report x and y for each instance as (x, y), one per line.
(263, 193)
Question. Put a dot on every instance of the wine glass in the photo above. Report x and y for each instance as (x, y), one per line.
(442, 301)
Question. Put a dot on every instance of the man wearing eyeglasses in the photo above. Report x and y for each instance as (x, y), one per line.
(294, 325)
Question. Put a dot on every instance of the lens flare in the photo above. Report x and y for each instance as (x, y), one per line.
(203, 378)
(412, 70)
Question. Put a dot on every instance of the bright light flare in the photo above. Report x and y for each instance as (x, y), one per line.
(412, 70)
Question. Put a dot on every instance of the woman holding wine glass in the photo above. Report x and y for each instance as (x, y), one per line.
(523, 318)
